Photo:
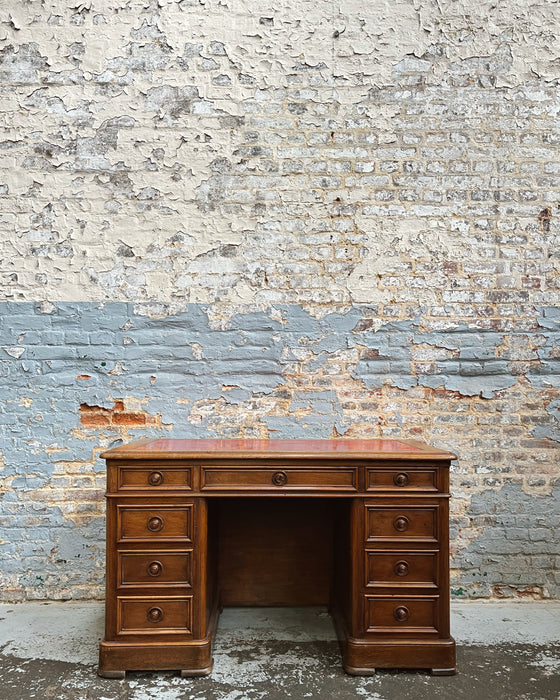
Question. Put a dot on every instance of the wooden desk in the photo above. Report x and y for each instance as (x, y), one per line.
(358, 525)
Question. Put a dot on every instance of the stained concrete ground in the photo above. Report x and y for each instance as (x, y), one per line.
(49, 650)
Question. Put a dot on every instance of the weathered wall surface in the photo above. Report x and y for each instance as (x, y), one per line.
(293, 220)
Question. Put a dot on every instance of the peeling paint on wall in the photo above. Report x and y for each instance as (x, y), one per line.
(302, 219)
(361, 148)
(90, 375)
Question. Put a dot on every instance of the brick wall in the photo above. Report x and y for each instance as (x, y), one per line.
(312, 220)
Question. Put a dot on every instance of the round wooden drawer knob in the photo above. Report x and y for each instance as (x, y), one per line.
(401, 568)
(401, 523)
(155, 479)
(279, 478)
(401, 613)
(401, 479)
(155, 524)
(155, 615)
(155, 568)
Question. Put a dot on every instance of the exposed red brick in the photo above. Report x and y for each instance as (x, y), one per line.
(129, 419)
(94, 416)
(363, 325)
(531, 282)
(450, 268)
(446, 394)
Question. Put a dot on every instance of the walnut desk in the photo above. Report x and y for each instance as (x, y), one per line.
(360, 526)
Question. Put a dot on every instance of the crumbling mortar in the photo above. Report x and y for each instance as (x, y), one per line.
(408, 185)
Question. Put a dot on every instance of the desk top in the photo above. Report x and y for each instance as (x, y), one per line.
(274, 449)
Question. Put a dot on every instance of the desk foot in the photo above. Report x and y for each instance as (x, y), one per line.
(353, 671)
(117, 675)
(197, 672)
(444, 671)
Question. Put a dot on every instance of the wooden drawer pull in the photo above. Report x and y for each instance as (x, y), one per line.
(155, 524)
(155, 615)
(155, 568)
(401, 613)
(155, 479)
(280, 478)
(401, 479)
(401, 523)
(401, 568)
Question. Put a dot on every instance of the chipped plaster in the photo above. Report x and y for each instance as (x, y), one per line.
(314, 218)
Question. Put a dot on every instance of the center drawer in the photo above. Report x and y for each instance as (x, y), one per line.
(278, 479)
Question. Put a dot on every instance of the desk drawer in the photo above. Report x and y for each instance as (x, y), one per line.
(401, 523)
(153, 479)
(278, 479)
(158, 522)
(401, 614)
(154, 568)
(402, 568)
(401, 479)
(154, 615)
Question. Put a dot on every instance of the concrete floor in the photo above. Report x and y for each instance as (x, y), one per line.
(49, 650)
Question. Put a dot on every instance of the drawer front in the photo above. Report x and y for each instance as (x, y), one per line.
(402, 568)
(155, 523)
(278, 479)
(154, 568)
(401, 614)
(401, 523)
(401, 480)
(153, 479)
(154, 615)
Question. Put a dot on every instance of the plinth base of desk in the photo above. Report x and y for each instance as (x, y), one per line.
(190, 658)
(362, 657)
